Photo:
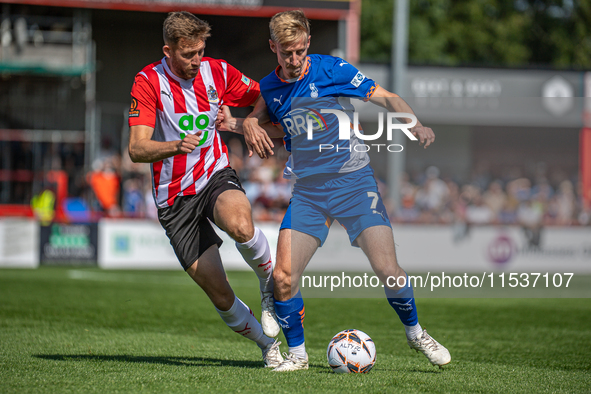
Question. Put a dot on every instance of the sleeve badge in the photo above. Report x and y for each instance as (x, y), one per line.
(357, 79)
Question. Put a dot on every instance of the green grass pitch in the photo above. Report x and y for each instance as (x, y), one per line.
(86, 330)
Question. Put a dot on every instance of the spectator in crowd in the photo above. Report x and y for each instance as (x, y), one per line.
(478, 212)
(433, 196)
(104, 181)
(408, 210)
(584, 208)
(495, 199)
(565, 203)
(133, 198)
(530, 215)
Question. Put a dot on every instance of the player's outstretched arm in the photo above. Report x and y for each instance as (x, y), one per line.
(143, 150)
(394, 103)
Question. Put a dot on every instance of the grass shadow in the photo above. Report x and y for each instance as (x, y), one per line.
(165, 360)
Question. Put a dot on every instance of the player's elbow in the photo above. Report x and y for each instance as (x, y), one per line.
(134, 154)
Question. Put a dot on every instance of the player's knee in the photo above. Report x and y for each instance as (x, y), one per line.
(282, 286)
(281, 277)
(241, 230)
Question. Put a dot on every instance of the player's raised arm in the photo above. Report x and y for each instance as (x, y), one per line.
(143, 150)
(394, 103)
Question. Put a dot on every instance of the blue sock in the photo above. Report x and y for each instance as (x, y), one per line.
(403, 302)
(291, 315)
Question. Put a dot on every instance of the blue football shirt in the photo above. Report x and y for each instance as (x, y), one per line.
(327, 83)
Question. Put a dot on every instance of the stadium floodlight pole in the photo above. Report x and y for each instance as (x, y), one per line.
(90, 123)
(398, 64)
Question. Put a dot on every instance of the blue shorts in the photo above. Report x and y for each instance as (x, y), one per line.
(352, 199)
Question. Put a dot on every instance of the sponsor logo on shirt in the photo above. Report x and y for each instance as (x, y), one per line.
(246, 81)
(188, 122)
(357, 79)
(133, 111)
(275, 99)
(297, 121)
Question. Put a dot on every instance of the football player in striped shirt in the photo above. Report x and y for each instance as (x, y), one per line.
(174, 103)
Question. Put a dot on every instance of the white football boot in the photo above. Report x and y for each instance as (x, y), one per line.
(272, 355)
(292, 363)
(269, 322)
(433, 350)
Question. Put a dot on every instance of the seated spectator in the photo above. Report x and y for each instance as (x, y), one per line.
(495, 198)
(477, 212)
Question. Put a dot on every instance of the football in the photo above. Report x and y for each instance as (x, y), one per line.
(351, 351)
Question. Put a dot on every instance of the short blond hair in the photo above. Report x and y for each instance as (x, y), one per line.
(183, 24)
(289, 26)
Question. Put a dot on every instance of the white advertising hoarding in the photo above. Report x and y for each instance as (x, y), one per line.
(420, 248)
(138, 244)
(423, 248)
(19, 243)
(142, 244)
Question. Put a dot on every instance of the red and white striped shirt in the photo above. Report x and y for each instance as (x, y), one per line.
(175, 107)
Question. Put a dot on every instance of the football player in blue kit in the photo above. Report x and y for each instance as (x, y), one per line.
(301, 96)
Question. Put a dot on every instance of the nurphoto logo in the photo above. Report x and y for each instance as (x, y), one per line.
(345, 127)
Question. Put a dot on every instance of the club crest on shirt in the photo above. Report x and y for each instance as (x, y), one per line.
(314, 91)
(212, 95)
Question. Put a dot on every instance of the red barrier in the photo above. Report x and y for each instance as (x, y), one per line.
(15, 210)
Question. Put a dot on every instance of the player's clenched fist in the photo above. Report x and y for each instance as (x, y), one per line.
(189, 143)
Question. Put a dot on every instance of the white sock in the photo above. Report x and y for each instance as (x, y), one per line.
(299, 351)
(240, 319)
(257, 254)
(413, 331)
